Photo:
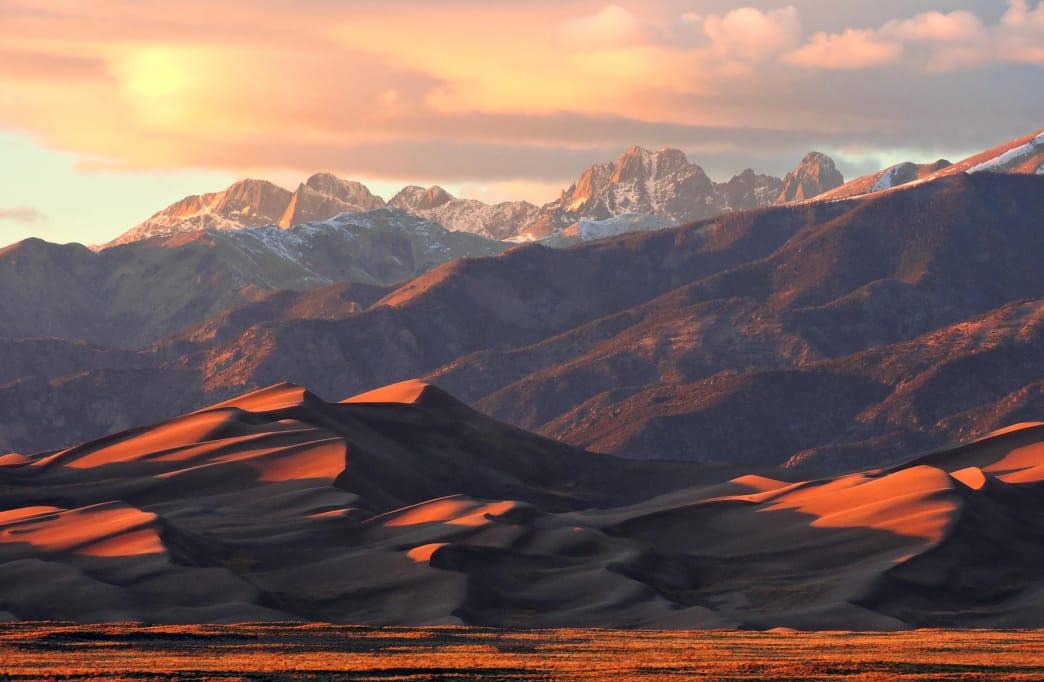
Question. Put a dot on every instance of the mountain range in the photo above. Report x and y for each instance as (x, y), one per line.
(403, 506)
(905, 319)
(661, 183)
(659, 188)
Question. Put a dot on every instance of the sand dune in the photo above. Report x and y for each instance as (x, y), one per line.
(402, 505)
(406, 392)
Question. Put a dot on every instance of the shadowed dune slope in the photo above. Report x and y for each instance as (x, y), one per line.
(403, 505)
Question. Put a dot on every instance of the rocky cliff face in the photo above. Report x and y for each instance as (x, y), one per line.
(247, 203)
(324, 196)
(666, 185)
(815, 175)
(257, 203)
(661, 183)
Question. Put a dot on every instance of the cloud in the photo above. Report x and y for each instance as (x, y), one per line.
(1020, 34)
(613, 27)
(751, 35)
(937, 27)
(852, 49)
(745, 34)
(933, 42)
(22, 215)
(28, 65)
(961, 39)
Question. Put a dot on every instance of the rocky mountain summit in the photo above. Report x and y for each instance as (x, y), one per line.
(815, 175)
(324, 196)
(665, 184)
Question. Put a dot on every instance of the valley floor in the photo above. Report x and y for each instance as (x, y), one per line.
(296, 652)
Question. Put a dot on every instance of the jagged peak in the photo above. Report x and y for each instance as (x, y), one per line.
(325, 180)
(322, 176)
(817, 173)
(248, 184)
(817, 158)
(436, 196)
(635, 150)
(666, 151)
(416, 197)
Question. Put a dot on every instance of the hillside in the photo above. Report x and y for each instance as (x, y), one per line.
(131, 295)
(1023, 155)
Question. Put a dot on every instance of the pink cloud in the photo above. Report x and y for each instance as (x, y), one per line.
(22, 214)
(937, 27)
(852, 49)
(748, 34)
(612, 27)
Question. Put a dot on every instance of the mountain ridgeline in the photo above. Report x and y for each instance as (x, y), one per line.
(824, 334)
(661, 183)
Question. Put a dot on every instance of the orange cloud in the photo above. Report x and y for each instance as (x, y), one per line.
(613, 27)
(31, 65)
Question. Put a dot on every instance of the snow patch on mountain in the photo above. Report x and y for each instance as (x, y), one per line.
(621, 224)
(494, 221)
(1010, 157)
(889, 177)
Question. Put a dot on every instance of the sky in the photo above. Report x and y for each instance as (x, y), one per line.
(112, 109)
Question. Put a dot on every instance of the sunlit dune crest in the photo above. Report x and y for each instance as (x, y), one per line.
(1025, 461)
(267, 399)
(973, 477)
(23, 513)
(191, 429)
(279, 450)
(405, 392)
(761, 484)
(912, 502)
(109, 530)
(1015, 427)
(322, 459)
(422, 554)
(454, 511)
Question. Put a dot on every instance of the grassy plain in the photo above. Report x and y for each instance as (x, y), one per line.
(332, 652)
